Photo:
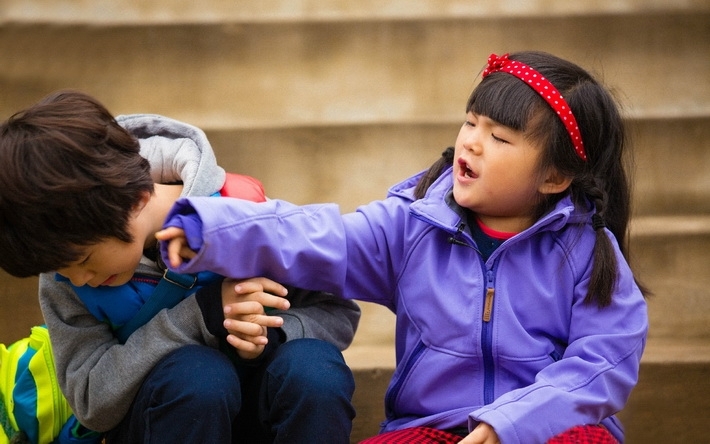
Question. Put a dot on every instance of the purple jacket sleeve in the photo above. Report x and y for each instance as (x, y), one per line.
(191, 225)
(238, 232)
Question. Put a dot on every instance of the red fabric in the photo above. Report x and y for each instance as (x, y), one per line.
(243, 187)
(415, 435)
(589, 434)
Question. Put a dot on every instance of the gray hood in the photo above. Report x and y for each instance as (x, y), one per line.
(177, 152)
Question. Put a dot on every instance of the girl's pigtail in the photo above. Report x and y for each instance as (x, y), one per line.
(434, 171)
(604, 268)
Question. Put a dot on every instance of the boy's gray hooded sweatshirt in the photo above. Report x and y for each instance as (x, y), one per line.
(99, 376)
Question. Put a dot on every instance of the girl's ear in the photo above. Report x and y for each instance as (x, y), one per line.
(555, 182)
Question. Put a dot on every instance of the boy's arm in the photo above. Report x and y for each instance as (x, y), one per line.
(320, 315)
(304, 314)
(308, 314)
(99, 376)
(243, 304)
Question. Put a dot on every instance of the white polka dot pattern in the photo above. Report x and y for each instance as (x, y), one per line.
(546, 90)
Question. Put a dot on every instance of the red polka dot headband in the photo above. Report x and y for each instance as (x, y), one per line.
(547, 91)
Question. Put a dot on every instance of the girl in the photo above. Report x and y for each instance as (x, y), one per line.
(518, 317)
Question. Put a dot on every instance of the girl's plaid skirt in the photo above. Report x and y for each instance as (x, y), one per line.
(588, 434)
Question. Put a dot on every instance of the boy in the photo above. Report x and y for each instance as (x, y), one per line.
(81, 197)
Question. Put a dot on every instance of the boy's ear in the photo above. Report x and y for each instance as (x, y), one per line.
(555, 183)
(142, 201)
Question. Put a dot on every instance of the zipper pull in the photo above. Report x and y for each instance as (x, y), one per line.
(488, 306)
(490, 294)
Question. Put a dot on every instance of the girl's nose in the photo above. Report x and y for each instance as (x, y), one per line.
(472, 141)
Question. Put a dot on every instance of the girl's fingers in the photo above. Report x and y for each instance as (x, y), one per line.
(263, 285)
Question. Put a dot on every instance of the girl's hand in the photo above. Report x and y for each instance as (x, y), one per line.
(482, 434)
(245, 316)
(178, 249)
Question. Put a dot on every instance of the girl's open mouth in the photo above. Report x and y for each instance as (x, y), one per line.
(465, 171)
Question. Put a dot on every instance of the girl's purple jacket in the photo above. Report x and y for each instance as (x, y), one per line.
(509, 341)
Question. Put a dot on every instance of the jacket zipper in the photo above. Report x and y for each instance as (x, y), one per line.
(486, 327)
(487, 340)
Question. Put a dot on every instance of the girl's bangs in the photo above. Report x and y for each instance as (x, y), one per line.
(505, 99)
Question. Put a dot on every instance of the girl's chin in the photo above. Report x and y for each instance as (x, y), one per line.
(460, 197)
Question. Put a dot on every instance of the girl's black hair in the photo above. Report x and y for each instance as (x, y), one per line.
(601, 180)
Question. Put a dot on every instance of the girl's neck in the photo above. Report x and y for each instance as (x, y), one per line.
(495, 234)
(512, 225)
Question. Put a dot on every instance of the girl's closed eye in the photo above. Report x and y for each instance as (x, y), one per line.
(499, 139)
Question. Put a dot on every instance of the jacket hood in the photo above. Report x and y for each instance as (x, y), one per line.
(177, 152)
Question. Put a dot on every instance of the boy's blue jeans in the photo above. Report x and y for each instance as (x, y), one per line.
(301, 394)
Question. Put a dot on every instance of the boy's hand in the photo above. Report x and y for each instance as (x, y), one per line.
(245, 316)
(178, 248)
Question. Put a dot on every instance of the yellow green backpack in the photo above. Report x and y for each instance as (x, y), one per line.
(33, 409)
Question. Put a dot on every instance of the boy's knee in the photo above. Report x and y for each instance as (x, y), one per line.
(312, 364)
(197, 374)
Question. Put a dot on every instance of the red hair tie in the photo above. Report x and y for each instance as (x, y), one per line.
(547, 90)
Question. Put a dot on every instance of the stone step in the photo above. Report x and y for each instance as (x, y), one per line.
(354, 164)
(671, 256)
(672, 171)
(295, 74)
(156, 12)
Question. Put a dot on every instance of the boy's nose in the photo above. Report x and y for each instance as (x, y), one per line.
(78, 278)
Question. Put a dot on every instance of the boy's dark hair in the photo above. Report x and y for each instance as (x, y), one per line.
(70, 177)
(602, 179)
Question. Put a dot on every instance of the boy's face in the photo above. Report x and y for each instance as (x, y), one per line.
(110, 262)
